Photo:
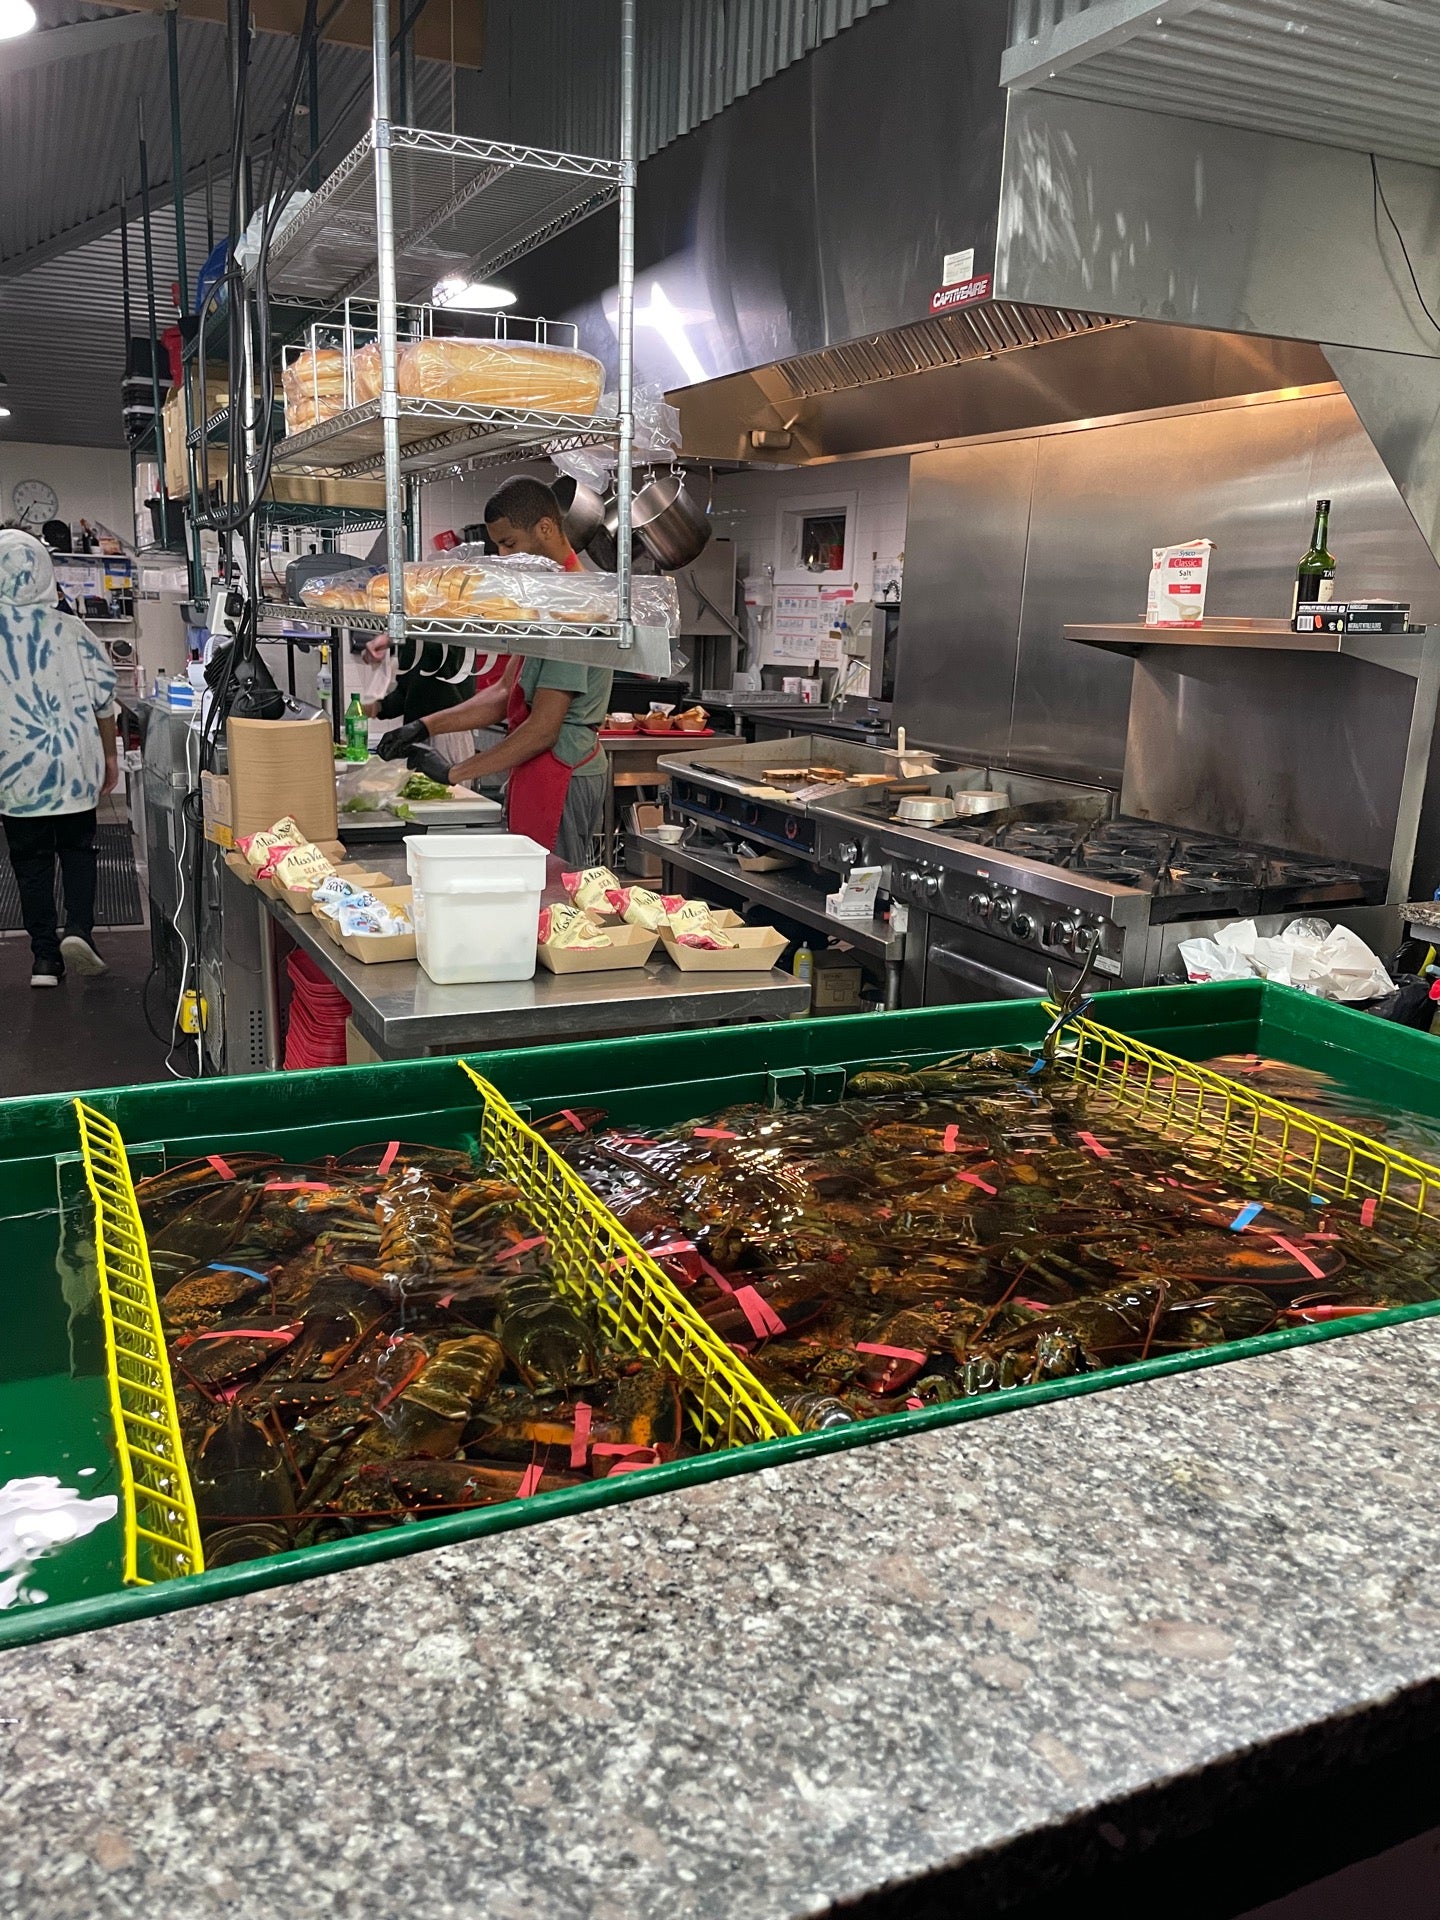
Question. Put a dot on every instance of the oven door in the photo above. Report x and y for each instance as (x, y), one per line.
(962, 965)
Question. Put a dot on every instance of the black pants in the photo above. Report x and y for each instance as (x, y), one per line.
(34, 846)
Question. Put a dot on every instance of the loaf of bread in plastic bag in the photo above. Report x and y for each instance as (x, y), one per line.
(501, 373)
(314, 387)
(482, 587)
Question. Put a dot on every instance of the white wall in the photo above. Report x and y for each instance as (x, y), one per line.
(93, 483)
(745, 510)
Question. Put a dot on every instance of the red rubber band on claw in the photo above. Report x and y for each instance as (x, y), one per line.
(521, 1246)
(974, 1180)
(712, 1133)
(1089, 1140)
(298, 1186)
(889, 1353)
(1367, 1213)
(387, 1159)
(529, 1481)
(951, 1140)
(222, 1167)
(580, 1439)
(578, 1124)
(1298, 1253)
(762, 1316)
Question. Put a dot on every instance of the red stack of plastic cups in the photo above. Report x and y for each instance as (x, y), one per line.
(315, 1036)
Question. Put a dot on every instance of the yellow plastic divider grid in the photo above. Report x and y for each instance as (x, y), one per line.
(1244, 1128)
(161, 1531)
(597, 1260)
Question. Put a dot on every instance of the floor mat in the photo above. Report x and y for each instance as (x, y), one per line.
(117, 884)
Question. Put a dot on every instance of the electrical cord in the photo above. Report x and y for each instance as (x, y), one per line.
(1378, 200)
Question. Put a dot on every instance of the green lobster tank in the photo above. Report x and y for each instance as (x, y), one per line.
(53, 1408)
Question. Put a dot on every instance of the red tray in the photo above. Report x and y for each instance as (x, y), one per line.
(674, 733)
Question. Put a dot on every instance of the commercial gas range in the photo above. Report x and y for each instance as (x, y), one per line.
(995, 906)
(994, 903)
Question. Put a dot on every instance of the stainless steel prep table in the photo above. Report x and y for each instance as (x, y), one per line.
(780, 893)
(401, 1012)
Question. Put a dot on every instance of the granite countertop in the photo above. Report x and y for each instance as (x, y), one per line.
(957, 1656)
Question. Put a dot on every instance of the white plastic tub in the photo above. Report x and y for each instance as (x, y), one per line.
(477, 904)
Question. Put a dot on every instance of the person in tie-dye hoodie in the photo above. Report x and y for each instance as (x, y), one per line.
(57, 756)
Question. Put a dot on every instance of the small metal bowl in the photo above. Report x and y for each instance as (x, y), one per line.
(925, 809)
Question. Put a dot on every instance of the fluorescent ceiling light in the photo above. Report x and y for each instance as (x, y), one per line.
(16, 17)
(461, 296)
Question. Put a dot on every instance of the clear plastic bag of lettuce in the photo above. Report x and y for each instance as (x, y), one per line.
(373, 787)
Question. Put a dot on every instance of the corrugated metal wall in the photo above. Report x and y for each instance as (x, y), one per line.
(551, 66)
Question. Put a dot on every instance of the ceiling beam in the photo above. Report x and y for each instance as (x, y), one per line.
(1101, 27)
(65, 43)
(350, 26)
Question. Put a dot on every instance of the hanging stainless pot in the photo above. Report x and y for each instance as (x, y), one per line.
(670, 522)
(603, 547)
(582, 511)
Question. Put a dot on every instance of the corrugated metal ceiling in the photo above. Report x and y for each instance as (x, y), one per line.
(68, 152)
(1363, 74)
(68, 149)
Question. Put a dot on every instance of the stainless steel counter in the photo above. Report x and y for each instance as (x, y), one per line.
(401, 1012)
(798, 899)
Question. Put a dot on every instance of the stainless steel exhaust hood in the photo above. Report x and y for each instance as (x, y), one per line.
(794, 255)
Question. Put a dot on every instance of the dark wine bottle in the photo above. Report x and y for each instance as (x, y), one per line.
(1315, 576)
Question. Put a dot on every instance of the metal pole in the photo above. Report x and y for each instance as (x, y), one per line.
(194, 562)
(625, 317)
(177, 158)
(154, 335)
(405, 103)
(387, 319)
(313, 87)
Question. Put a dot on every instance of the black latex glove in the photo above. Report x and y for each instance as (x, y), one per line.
(422, 760)
(399, 740)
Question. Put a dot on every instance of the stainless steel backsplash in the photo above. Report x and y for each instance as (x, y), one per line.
(1008, 541)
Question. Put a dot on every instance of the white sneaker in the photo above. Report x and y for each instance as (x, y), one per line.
(79, 954)
(43, 977)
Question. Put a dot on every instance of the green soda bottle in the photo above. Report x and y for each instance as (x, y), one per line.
(357, 732)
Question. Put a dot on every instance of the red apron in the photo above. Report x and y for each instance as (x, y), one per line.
(535, 798)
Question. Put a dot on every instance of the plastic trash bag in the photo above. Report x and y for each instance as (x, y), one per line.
(1308, 954)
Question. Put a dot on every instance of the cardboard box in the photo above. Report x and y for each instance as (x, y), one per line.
(358, 1050)
(215, 806)
(836, 982)
(756, 950)
(280, 767)
(240, 867)
(629, 947)
(372, 947)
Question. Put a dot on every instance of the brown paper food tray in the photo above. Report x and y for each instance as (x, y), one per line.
(756, 950)
(301, 900)
(631, 947)
(388, 897)
(373, 947)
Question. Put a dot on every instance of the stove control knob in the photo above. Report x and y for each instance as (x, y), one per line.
(1022, 926)
(910, 878)
(980, 905)
(849, 853)
(1059, 933)
(1001, 909)
(1082, 939)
